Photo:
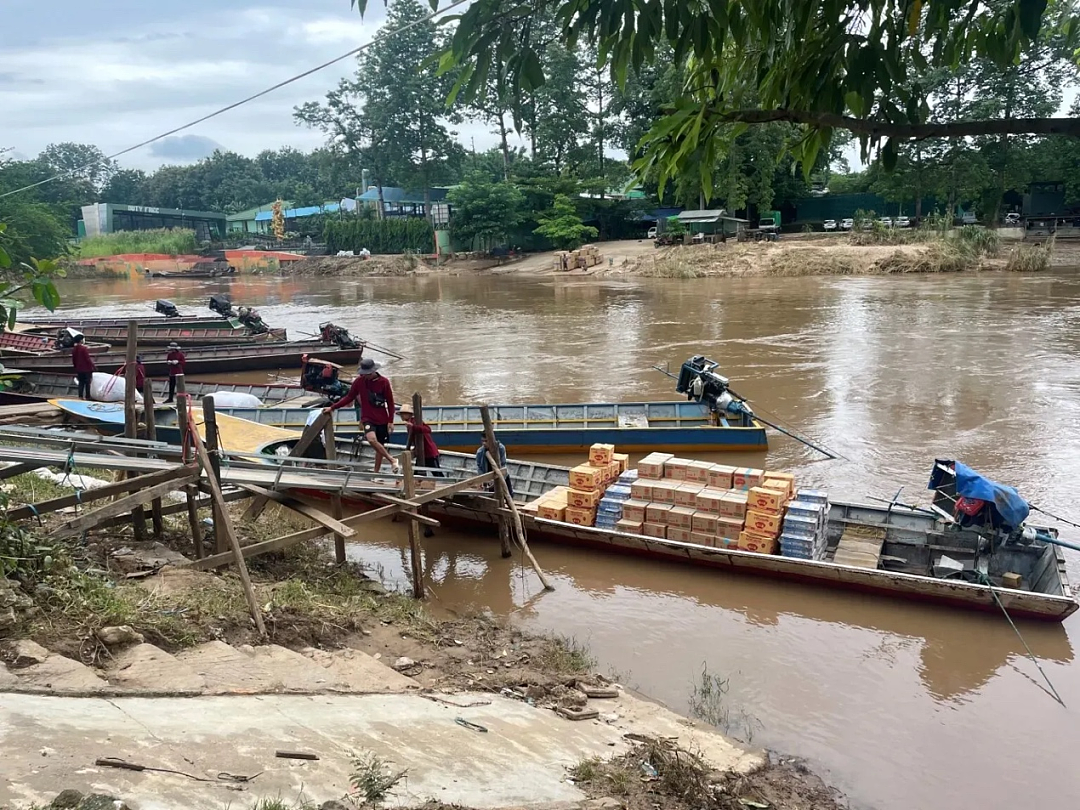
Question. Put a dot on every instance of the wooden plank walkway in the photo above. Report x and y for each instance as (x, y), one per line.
(860, 546)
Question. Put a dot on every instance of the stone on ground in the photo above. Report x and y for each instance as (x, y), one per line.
(145, 667)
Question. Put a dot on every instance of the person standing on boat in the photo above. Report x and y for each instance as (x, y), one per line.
(483, 466)
(140, 372)
(84, 366)
(177, 363)
(420, 432)
(376, 398)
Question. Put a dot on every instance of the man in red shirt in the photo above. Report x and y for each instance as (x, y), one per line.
(84, 366)
(176, 361)
(376, 399)
(140, 372)
(420, 432)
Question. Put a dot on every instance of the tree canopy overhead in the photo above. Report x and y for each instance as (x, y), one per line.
(820, 64)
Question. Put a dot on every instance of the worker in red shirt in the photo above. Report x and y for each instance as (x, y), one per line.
(420, 432)
(140, 372)
(176, 362)
(376, 399)
(84, 366)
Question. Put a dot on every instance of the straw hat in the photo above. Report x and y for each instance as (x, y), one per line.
(406, 410)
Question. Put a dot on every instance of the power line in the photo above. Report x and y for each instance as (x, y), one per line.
(234, 105)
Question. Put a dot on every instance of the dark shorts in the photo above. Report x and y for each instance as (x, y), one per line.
(382, 432)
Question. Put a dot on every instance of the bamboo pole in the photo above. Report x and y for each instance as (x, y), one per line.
(151, 435)
(213, 449)
(501, 492)
(335, 500)
(131, 416)
(409, 484)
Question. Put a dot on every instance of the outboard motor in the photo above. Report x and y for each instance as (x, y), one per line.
(166, 308)
(322, 377)
(701, 383)
(222, 305)
(339, 335)
(65, 338)
(252, 320)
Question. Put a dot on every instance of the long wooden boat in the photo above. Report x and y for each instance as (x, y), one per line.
(911, 538)
(18, 344)
(159, 321)
(164, 335)
(45, 387)
(210, 360)
(633, 427)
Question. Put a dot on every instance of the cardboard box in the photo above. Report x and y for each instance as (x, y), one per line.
(746, 478)
(584, 477)
(678, 535)
(1011, 580)
(729, 528)
(782, 476)
(600, 454)
(686, 494)
(624, 461)
(727, 542)
(634, 509)
(654, 530)
(613, 470)
(631, 526)
(580, 517)
(703, 538)
(551, 510)
(652, 466)
(704, 522)
(664, 491)
(556, 495)
(681, 517)
(583, 499)
(657, 513)
(641, 490)
(719, 476)
(733, 505)
(766, 500)
(763, 523)
(748, 541)
(780, 485)
(675, 468)
(698, 471)
(708, 500)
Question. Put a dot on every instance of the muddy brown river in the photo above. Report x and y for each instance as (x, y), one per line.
(899, 705)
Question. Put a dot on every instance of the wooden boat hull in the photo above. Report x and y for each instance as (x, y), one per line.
(159, 322)
(214, 360)
(45, 387)
(163, 336)
(546, 429)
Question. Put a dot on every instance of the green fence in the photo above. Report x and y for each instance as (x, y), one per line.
(380, 236)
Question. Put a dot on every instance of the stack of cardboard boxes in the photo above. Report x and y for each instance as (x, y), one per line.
(581, 259)
(805, 531)
(579, 502)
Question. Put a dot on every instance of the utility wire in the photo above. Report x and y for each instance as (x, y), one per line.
(234, 105)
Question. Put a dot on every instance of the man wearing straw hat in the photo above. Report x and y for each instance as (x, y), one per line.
(376, 399)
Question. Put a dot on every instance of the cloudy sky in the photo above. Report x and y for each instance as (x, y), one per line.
(116, 72)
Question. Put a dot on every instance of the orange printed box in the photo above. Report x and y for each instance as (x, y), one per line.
(730, 528)
(630, 526)
(657, 512)
(686, 494)
(664, 491)
(780, 485)
(708, 500)
(720, 476)
(678, 535)
(634, 509)
(652, 466)
(748, 541)
(641, 490)
(746, 478)
(698, 471)
(583, 498)
(765, 500)
(580, 517)
(600, 454)
(551, 510)
(681, 517)
(704, 522)
(675, 469)
(613, 470)
(654, 530)
(763, 523)
(703, 538)
(585, 477)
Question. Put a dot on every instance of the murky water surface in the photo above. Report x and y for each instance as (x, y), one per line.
(900, 705)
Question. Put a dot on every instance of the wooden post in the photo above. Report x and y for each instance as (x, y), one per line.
(409, 484)
(421, 455)
(131, 417)
(501, 492)
(335, 500)
(189, 491)
(213, 449)
(151, 435)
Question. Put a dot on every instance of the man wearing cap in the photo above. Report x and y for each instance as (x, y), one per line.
(376, 399)
(176, 362)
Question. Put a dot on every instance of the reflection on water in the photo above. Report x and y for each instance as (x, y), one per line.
(903, 705)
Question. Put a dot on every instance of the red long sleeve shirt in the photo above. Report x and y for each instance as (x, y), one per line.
(423, 432)
(176, 354)
(81, 359)
(362, 390)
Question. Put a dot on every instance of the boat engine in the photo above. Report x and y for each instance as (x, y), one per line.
(65, 338)
(339, 335)
(698, 380)
(250, 318)
(166, 308)
(321, 377)
(222, 305)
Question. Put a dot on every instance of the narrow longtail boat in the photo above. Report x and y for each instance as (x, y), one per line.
(45, 387)
(164, 335)
(18, 344)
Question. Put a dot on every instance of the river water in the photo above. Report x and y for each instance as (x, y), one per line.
(899, 705)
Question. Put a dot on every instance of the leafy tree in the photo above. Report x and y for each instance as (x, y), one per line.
(563, 226)
(79, 161)
(35, 274)
(485, 212)
(127, 187)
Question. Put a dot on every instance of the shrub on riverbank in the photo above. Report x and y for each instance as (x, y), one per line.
(379, 236)
(1030, 258)
(172, 241)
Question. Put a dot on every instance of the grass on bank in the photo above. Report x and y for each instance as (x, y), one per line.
(172, 241)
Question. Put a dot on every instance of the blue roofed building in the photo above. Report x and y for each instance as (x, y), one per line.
(401, 202)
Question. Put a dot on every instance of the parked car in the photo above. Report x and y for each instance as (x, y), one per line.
(886, 221)
(830, 224)
(901, 222)
(652, 233)
(969, 218)
(1012, 219)
(847, 224)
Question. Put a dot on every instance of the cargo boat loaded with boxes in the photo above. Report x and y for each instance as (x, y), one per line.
(692, 502)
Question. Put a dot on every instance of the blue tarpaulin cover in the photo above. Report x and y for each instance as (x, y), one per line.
(1010, 509)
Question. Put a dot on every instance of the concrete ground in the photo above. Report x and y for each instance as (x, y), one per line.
(50, 743)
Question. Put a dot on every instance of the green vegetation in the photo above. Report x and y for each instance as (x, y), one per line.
(708, 702)
(379, 236)
(1030, 258)
(563, 655)
(372, 779)
(171, 241)
(33, 274)
(563, 226)
(485, 213)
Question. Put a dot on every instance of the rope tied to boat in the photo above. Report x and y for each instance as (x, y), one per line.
(1051, 515)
